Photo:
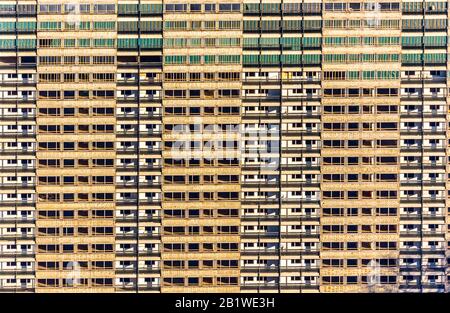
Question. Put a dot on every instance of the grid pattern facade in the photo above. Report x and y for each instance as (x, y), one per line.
(224, 146)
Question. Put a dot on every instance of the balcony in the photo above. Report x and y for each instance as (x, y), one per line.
(132, 253)
(275, 268)
(266, 80)
(132, 270)
(142, 150)
(145, 99)
(141, 64)
(132, 235)
(142, 82)
(419, 130)
(276, 285)
(134, 202)
(141, 116)
(141, 287)
(291, 234)
(18, 219)
(16, 236)
(22, 83)
(18, 134)
(134, 133)
(279, 98)
(276, 217)
(133, 219)
(18, 202)
(14, 100)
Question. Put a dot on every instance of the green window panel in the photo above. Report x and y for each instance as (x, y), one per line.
(229, 42)
(290, 59)
(251, 7)
(55, 43)
(210, 42)
(21, 26)
(151, 43)
(229, 24)
(412, 24)
(270, 42)
(292, 25)
(144, 8)
(104, 43)
(395, 57)
(128, 26)
(411, 41)
(435, 23)
(49, 25)
(69, 42)
(175, 42)
(311, 41)
(383, 57)
(175, 59)
(196, 42)
(195, 59)
(290, 43)
(369, 41)
(354, 58)
(270, 59)
(7, 44)
(50, 43)
(229, 59)
(312, 24)
(128, 8)
(388, 74)
(27, 26)
(251, 25)
(412, 6)
(389, 40)
(85, 25)
(333, 23)
(169, 42)
(353, 75)
(250, 42)
(209, 59)
(338, 58)
(353, 41)
(272, 25)
(127, 43)
(270, 7)
(84, 42)
(335, 41)
(392, 24)
(151, 25)
(26, 44)
(7, 26)
(435, 41)
(328, 58)
(435, 58)
(369, 75)
(71, 26)
(106, 25)
(151, 8)
(411, 58)
(356, 23)
(250, 59)
(174, 25)
(311, 58)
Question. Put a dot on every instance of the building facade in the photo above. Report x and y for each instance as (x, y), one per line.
(224, 146)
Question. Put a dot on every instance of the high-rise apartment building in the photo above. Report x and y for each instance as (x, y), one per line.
(224, 146)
